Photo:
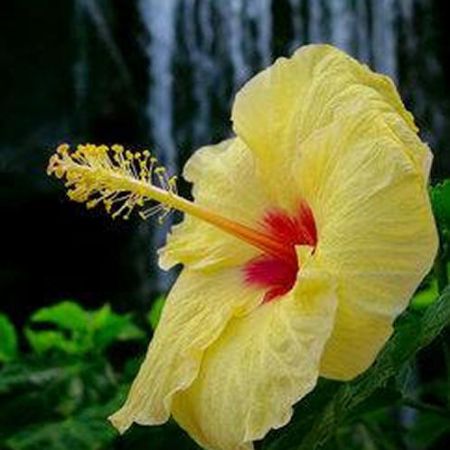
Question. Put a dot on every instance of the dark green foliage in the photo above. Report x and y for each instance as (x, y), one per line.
(59, 394)
(8, 340)
(79, 331)
(440, 196)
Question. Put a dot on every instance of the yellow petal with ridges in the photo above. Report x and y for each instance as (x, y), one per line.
(322, 128)
(260, 366)
(225, 181)
(376, 231)
(195, 314)
(417, 151)
(280, 107)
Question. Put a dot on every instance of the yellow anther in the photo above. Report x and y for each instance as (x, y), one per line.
(62, 149)
(92, 203)
(108, 205)
(117, 148)
(116, 177)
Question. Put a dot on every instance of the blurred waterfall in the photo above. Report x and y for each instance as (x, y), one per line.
(362, 33)
(159, 20)
(384, 39)
(199, 44)
(316, 21)
(367, 29)
(298, 25)
(214, 46)
(342, 20)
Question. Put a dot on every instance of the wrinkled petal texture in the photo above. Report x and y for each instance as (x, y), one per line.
(259, 367)
(225, 181)
(284, 104)
(321, 128)
(328, 129)
(195, 314)
(376, 232)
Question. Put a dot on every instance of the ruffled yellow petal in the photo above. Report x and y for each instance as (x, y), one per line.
(196, 312)
(224, 181)
(376, 231)
(280, 107)
(417, 151)
(259, 367)
(322, 128)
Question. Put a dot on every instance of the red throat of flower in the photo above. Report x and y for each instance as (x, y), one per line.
(277, 273)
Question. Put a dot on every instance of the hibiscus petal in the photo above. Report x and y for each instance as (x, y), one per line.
(376, 231)
(280, 107)
(259, 367)
(196, 312)
(224, 181)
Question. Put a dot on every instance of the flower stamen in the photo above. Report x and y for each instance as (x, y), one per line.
(124, 181)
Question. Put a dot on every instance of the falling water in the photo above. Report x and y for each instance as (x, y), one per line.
(342, 20)
(362, 32)
(199, 35)
(298, 31)
(366, 29)
(384, 39)
(159, 20)
(316, 24)
(261, 13)
(223, 43)
(233, 15)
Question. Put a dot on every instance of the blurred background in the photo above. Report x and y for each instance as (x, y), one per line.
(157, 74)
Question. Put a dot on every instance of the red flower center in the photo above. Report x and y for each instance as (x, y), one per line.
(277, 274)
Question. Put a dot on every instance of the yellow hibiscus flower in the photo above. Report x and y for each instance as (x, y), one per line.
(309, 233)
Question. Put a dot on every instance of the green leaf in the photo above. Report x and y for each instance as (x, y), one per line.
(35, 373)
(67, 315)
(8, 340)
(334, 403)
(47, 340)
(37, 391)
(155, 312)
(89, 430)
(426, 296)
(107, 327)
(379, 399)
(79, 331)
(440, 198)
